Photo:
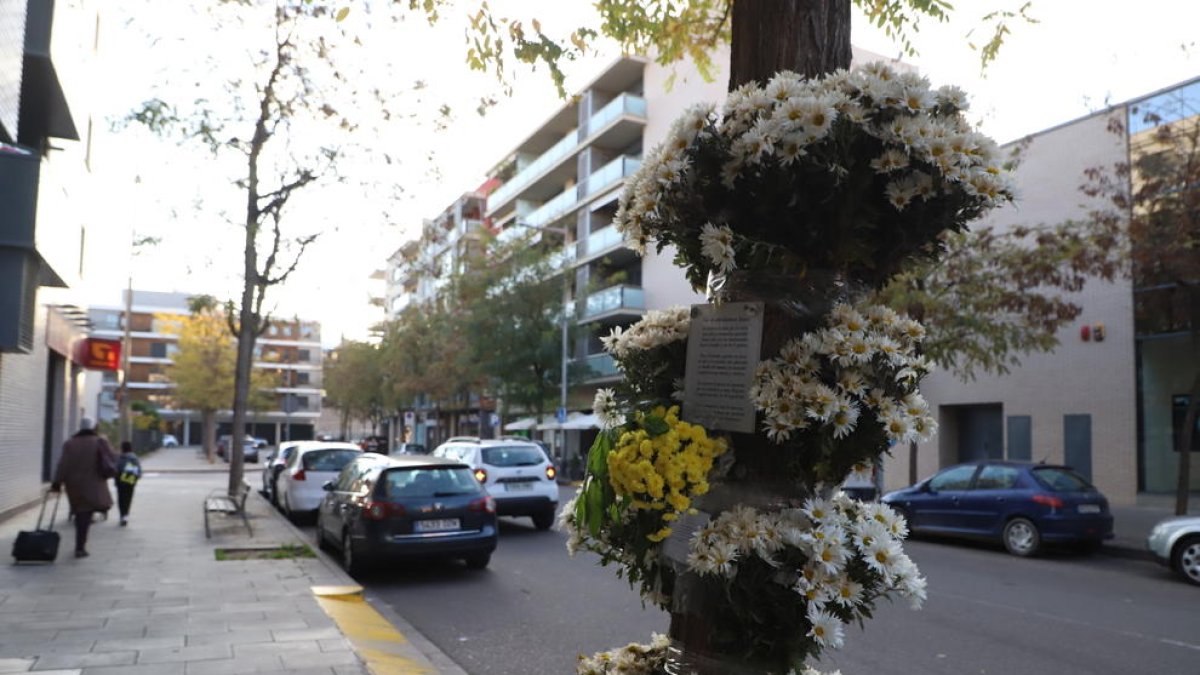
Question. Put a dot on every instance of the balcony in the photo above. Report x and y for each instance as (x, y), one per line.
(625, 104)
(604, 127)
(600, 367)
(614, 301)
(560, 150)
(607, 176)
(554, 209)
(610, 174)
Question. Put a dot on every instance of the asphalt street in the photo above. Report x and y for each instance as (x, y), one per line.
(535, 608)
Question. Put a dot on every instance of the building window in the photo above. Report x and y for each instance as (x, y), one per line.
(158, 350)
(301, 402)
(302, 355)
(301, 378)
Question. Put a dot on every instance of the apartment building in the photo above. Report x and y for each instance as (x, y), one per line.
(290, 350)
(415, 273)
(47, 80)
(1109, 400)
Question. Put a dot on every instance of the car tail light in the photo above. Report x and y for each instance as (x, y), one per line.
(373, 510)
(1047, 500)
(299, 475)
(551, 472)
(481, 475)
(486, 504)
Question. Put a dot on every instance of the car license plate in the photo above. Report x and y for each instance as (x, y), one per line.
(441, 525)
(1089, 508)
(518, 487)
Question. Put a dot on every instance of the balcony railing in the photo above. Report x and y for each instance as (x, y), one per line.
(621, 167)
(600, 240)
(600, 366)
(615, 298)
(625, 104)
(552, 210)
(524, 177)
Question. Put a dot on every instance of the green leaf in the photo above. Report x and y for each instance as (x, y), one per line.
(655, 425)
(595, 508)
(341, 14)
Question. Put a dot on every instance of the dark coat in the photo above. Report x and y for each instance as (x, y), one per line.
(79, 472)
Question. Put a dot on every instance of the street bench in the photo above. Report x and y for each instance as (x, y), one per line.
(220, 501)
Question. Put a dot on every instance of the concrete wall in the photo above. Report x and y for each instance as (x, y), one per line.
(1079, 377)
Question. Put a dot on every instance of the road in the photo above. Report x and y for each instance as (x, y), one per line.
(535, 608)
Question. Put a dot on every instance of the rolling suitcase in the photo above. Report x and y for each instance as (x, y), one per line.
(39, 545)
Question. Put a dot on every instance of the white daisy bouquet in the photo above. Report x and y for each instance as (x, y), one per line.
(650, 355)
(855, 173)
(841, 394)
(802, 574)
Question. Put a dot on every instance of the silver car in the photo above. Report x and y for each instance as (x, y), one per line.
(1176, 543)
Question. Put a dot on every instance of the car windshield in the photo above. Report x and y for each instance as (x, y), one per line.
(327, 460)
(513, 455)
(429, 482)
(1061, 480)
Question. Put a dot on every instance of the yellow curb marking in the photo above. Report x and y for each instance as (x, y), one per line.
(374, 638)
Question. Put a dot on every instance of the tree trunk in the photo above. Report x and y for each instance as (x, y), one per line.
(912, 463)
(809, 37)
(1185, 446)
(208, 433)
(247, 333)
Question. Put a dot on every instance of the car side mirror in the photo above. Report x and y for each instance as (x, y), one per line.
(328, 486)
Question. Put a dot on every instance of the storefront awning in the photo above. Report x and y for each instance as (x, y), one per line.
(580, 421)
(526, 423)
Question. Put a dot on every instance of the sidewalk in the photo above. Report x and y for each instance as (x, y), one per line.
(152, 599)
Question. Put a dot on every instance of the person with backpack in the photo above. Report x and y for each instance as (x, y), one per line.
(129, 471)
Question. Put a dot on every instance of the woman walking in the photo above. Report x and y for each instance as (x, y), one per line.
(86, 464)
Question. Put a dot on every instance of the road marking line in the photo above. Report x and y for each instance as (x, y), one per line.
(385, 649)
(1077, 622)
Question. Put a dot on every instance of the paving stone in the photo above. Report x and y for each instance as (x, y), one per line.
(147, 669)
(262, 663)
(339, 644)
(18, 649)
(326, 633)
(139, 644)
(180, 654)
(351, 670)
(320, 659)
(61, 661)
(276, 648)
(15, 665)
(238, 637)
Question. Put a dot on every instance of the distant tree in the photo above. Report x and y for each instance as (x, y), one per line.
(513, 316)
(1157, 196)
(997, 294)
(202, 370)
(354, 383)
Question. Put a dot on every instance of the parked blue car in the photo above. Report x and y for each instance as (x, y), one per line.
(1020, 504)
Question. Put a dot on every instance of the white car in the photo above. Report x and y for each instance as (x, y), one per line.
(169, 441)
(517, 474)
(1176, 543)
(310, 465)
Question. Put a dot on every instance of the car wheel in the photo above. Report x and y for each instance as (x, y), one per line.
(1185, 559)
(542, 520)
(478, 561)
(1021, 537)
(350, 561)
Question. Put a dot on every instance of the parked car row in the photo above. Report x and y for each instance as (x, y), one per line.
(372, 507)
(250, 447)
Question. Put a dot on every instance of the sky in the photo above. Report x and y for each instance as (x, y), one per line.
(1081, 56)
